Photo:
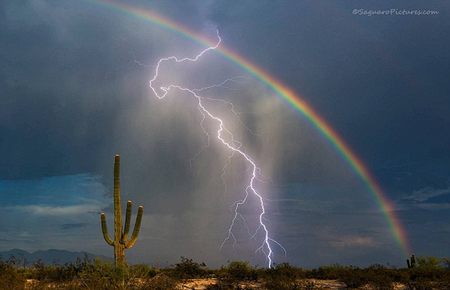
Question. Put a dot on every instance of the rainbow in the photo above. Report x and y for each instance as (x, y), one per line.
(291, 98)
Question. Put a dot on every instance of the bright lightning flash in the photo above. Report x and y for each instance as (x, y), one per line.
(229, 143)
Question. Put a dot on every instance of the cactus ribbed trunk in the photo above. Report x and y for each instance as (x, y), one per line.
(121, 241)
(119, 254)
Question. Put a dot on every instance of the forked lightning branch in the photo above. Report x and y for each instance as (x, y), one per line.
(225, 137)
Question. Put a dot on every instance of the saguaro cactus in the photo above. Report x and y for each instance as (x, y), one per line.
(411, 262)
(121, 240)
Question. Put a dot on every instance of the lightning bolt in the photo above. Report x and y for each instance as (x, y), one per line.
(226, 138)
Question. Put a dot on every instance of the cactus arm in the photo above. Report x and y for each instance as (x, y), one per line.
(137, 227)
(127, 221)
(105, 230)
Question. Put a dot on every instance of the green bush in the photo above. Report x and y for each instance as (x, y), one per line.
(56, 273)
(100, 275)
(103, 275)
(188, 269)
(239, 271)
(284, 277)
(9, 277)
(143, 271)
(327, 272)
(377, 275)
(429, 262)
(282, 284)
(446, 262)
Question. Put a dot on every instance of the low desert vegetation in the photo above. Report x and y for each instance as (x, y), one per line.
(428, 273)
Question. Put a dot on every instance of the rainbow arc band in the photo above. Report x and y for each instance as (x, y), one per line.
(292, 99)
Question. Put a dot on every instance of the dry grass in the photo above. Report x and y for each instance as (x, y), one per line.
(189, 275)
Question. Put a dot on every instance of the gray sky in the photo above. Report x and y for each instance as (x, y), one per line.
(74, 91)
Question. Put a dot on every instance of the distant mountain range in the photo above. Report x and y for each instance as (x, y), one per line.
(47, 257)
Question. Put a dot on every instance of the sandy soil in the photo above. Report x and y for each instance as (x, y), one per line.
(202, 284)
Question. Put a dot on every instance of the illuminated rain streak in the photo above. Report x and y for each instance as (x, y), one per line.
(231, 145)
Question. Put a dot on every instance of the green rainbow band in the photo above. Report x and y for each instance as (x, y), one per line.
(294, 100)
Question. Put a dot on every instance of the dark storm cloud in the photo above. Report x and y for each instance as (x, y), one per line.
(64, 70)
(394, 67)
(41, 102)
(72, 97)
(381, 82)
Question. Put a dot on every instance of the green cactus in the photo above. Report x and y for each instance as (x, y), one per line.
(121, 240)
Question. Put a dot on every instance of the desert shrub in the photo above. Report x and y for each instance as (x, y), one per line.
(353, 278)
(239, 271)
(84, 274)
(57, 273)
(378, 276)
(399, 275)
(9, 277)
(284, 277)
(429, 262)
(188, 269)
(446, 262)
(285, 270)
(426, 274)
(142, 271)
(39, 271)
(282, 284)
(95, 275)
(327, 272)
(104, 275)
(426, 278)
(229, 277)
